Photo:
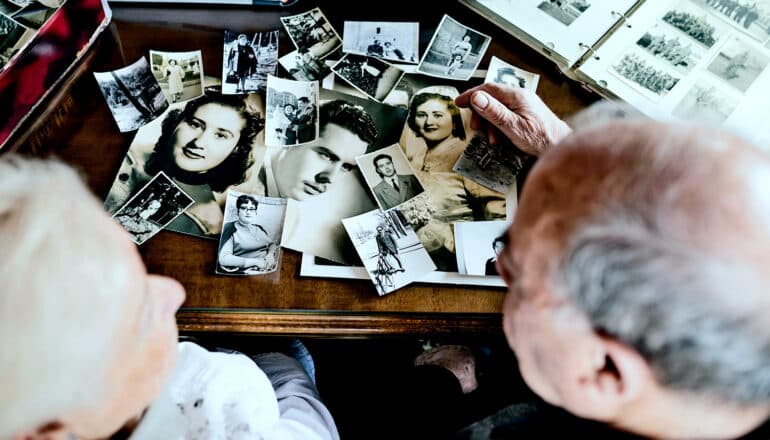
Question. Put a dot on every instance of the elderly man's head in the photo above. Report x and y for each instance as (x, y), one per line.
(88, 337)
(637, 266)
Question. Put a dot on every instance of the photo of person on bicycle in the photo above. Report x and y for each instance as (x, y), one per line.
(387, 246)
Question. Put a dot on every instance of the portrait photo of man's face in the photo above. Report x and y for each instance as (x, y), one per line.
(384, 167)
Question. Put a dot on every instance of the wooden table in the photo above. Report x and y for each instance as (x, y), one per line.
(291, 305)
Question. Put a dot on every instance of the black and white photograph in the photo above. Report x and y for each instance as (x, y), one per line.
(454, 52)
(671, 47)
(304, 66)
(205, 145)
(565, 11)
(738, 64)
(247, 60)
(311, 31)
(695, 23)
(8, 7)
(389, 249)
(133, 95)
(478, 245)
(494, 166)
(34, 14)
(371, 76)
(13, 35)
(394, 41)
(749, 16)
(292, 112)
(500, 72)
(413, 83)
(152, 208)
(644, 73)
(706, 103)
(389, 176)
(180, 74)
(251, 235)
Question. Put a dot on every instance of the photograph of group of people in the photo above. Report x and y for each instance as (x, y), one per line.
(292, 112)
(394, 41)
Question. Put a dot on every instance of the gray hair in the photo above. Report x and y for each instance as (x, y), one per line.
(59, 301)
(668, 265)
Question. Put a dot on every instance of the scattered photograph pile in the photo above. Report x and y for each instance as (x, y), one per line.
(379, 177)
(19, 20)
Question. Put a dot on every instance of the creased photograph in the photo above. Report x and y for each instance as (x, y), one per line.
(494, 166)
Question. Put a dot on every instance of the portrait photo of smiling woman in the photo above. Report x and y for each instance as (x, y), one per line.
(205, 146)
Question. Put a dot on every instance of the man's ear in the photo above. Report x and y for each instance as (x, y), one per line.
(49, 431)
(613, 377)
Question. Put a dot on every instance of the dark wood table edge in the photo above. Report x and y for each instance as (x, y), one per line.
(337, 324)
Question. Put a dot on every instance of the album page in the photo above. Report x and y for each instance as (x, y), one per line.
(701, 60)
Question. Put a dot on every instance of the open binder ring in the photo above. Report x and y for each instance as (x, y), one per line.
(623, 17)
(589, 49)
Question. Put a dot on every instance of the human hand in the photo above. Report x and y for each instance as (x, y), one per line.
(518, 113)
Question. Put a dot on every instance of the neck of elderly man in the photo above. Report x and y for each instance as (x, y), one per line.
(638, 295)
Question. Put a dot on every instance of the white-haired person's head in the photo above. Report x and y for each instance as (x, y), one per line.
(87, 337)
(638, 277)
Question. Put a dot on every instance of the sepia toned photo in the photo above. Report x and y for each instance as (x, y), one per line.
(389, 177)
(454, 52)
(133, 95)
(372, 76)
(251, 234)
(565, 11)
(694, 22)
(153, 207)
(292, 112)
(312, 32)
(500, 72)
(248, 60)
(394, 41)
(13, 35)
(180, 74)
(494, 166)
(389, 249)
(671, 47)
(478, 246)
(705, 103)
(738, 64)
(303, 66)
(749, 16)
(206, 146)
(642, 72)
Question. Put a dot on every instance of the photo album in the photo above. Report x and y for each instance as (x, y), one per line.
(684, 59)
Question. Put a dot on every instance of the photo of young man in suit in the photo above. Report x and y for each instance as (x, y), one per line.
(392, 188)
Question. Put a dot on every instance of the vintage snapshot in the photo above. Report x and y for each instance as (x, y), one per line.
(312, 32)
(500, 72)
(204, 146)
(565, 11)
(395, 41)
(251, 234)
(454, 52)
(292, 112)
(322, 179)
(372, 76)
(645, 74)
(14, 36)
(694, 22)
(412, 84)
(389, 176)
(35, 13)
(304, 66)
(749, 16)
(434, 137)
(153, 207)
(494, 166)
(389, 249)
(706, 103)
(738, 64)
(478, 245)
(180, 74)
(133, 95)
(671, 47)
(247, 60)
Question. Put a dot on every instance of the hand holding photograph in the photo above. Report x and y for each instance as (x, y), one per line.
(292, 112)
(251, 233)
(152, 208)
(493, 165)
(500, 72)
(389, 249)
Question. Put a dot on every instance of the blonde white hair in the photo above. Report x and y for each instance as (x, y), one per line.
(59, 294)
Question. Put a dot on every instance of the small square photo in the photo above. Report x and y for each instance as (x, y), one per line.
(454, 52)
(389, 176)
